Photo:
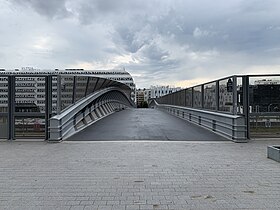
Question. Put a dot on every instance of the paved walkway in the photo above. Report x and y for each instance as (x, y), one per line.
(144, 124)
(138, 175)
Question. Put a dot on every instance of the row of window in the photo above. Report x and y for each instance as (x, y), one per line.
(66, 96)
(25, 78)
(19, 90)
(25, 101)
(28, 73)
(25, 84)
(67, 90)
(170, 91)
(120, 78)
(25, 95)
(67, 71)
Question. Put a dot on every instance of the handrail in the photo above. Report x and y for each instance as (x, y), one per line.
(230, 126)
(63, 125)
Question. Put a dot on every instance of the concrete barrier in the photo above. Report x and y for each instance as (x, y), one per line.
(273, 152)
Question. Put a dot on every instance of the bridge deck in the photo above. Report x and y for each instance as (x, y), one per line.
(144, 124)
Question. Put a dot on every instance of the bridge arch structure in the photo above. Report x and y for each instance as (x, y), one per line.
(90, 109)
(62, 104)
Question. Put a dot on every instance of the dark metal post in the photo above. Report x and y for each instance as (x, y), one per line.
(74, 90)
(202, 96)
(48, 104)
(11, 107)
(234, 95)
(185, 96)
(246, 103)
(192, 97)
(58, 99)
(217, 93)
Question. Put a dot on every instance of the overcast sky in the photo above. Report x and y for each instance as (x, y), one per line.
(160, 42)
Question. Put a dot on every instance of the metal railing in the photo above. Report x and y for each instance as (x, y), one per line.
(256, 97)
(87, 111)
(27, 102)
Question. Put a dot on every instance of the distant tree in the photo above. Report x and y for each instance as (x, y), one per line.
(144, 104)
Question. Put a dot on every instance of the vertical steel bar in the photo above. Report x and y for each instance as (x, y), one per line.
(11, 107)
(185, 95)
(48, 104)
(246, 103)
(74, 90)
(202, 96)
(217, 93)
(58, 105)
(192, 97)
(234, 92)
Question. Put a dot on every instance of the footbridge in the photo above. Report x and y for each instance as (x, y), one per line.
(86, 107)
(62, 104)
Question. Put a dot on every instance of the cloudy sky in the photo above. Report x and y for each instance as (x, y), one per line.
(176, 42)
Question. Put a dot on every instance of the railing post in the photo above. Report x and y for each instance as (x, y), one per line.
(58, 99)
(11, 107)
(48, 104)
(202, 96)
(74, 90)
(246, 103)
(234, 95)
(185, 96)
(192, 97)
(217, 96)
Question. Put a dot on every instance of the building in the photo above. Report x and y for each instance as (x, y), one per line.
(267, 82)
(140, 97)
(143, 95)
(265, 96)
(158, 91)
(154, 92)
(147, 94)
(31, 90)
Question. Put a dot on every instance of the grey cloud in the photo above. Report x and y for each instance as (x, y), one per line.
(49, 8)
(153, 52)
(170, 37)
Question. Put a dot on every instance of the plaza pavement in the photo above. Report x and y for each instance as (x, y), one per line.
(138, 175)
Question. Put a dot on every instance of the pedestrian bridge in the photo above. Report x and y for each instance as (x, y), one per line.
(144, 124)
(92, 108)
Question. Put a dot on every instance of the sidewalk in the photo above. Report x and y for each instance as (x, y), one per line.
(138, 175)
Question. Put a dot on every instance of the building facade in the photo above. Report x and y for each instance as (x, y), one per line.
(31, 90)
(158, 91)
(140, 97)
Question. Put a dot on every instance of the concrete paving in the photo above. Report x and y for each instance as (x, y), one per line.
(138, 175)
(144, 124)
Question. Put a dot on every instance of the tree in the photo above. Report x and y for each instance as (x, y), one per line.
(144, 104)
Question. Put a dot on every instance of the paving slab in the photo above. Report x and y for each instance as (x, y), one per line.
(138, 175)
